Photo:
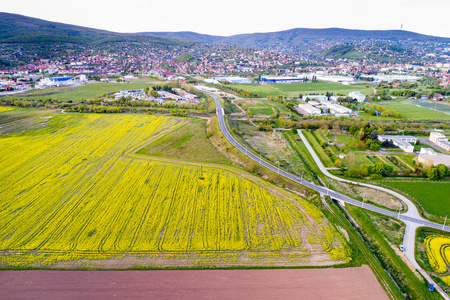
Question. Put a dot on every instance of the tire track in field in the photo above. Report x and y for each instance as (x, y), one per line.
(145, 215)
(169, 210)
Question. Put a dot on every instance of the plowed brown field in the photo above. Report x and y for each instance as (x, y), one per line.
(349, 283)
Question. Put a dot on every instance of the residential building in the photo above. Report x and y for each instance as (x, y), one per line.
(440, 140)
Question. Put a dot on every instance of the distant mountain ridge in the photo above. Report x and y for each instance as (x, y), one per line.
(303, 36)
(16, 28)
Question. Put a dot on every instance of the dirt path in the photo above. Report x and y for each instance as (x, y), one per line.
(349, 283)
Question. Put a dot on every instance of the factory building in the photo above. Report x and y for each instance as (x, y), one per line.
(358, 96)
(281, 79)
(234, 80)
(315, 97)
(309, 109)
(401, 141)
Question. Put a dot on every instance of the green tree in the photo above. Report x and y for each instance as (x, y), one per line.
(433, 173)
(361, 135)
(374, 134)
(442, 170)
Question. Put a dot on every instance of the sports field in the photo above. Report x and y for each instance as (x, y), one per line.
(75, 194)
(409, 110)
(434, 105)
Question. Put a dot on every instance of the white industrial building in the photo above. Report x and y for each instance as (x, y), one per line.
(134, 94)
(315, 97)
(57, 81)
(234, 80)
(211, 81)
(429, 156)
(335, 109)
(281, 79)
(440, 140)
(339, 110)
(332, 78)
(391, 78)
(401, 141)
(166, 95)
(309, 109)
(358, 96)
(208, 89)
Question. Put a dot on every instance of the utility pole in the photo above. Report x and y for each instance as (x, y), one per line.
(443, 226)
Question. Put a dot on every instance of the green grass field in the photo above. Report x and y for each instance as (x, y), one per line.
(368, 117)
(88, 91)
(263, 91)
(265, 107)
(188, 142)
(295, 89)
(74, 193)
(326, 160)
(410, 111)
(433, 196)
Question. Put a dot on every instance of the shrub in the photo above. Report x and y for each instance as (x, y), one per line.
(375, 176)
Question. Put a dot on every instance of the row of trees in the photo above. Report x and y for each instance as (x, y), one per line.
(376, 171)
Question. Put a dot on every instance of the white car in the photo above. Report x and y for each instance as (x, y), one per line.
(402, 248)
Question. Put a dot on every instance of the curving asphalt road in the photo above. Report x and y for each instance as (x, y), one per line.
(411, 217)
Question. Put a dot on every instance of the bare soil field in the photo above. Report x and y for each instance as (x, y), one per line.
(348, 283)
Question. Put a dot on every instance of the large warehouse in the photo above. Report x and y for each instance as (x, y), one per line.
(281, 79)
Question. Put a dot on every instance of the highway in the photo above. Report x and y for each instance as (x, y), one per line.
(411, 217)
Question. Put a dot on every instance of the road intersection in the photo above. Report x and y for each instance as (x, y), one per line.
(411, 217)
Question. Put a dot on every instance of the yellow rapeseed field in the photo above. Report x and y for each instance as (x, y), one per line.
(75, 190)
(5, 108)
(438, 252)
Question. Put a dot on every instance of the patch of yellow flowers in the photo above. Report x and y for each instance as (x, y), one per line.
(75, 190)
(438, 252)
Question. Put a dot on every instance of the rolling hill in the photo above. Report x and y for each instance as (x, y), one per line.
(16, 28)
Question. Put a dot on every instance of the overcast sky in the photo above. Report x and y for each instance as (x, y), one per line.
(239, 16)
